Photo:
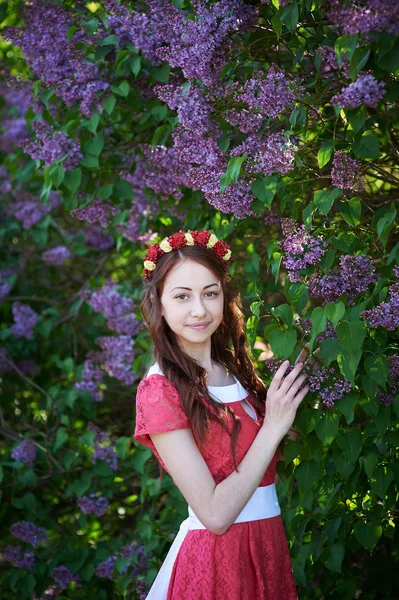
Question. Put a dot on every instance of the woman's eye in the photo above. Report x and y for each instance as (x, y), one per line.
(207, 294)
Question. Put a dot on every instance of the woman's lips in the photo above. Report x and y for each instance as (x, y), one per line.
(199, 327)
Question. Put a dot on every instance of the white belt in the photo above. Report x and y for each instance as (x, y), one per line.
(263, 504)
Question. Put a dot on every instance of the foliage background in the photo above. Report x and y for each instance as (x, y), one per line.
(259, 125)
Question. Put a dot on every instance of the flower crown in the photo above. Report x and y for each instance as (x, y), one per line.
(203, 238)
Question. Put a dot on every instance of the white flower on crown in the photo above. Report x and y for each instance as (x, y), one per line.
(227, 255)
(165, 246)
(149, 265)
(189, 239)
(212, 241)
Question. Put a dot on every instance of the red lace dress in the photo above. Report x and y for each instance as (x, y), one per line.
(251, 560)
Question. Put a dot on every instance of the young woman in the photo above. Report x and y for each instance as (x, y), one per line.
(214, 427)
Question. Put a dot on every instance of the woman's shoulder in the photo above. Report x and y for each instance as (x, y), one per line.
(154, 379)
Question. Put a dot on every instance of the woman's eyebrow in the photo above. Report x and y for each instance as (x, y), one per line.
(186, 288)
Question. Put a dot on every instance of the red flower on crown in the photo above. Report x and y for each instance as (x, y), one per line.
(191, 238)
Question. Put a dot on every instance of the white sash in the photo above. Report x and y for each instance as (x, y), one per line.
(263, 504)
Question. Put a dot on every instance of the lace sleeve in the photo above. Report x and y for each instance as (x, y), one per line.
(158, 409)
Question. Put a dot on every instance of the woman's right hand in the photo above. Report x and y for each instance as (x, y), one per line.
(283, 398)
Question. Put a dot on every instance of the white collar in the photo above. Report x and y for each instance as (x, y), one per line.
(225, 394)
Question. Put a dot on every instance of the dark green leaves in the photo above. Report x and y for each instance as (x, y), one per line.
(265, 189)
(283, 342)
(351, 210)
(367, 146)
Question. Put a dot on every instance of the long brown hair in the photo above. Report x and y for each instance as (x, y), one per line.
(228, 346)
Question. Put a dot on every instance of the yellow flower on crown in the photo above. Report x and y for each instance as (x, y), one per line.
(212, 241)
(165, 246)
(227, 255)
(189, 239)
(149, 265)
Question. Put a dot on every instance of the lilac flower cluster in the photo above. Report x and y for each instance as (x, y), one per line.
(301, 248)
(386, 314)
(346, 173)
(25, 319)
(106, 568)
(393, 361)
(365, 90)
(27, 366)
(29, 532)
(268, 154)
(18, 98)
(117, 309)
(43, 39)
(246, 121)
(30, 211)
(352, 277)
(91, 505)
(117, 357)
(192, 107)
(97, 210)
(365, 16)
(98, 239)
(63, 577)
(25, 452)
(327, 333)
(103, 448)
(270, 94)
(92, 376)
(196, 45)
(387, 397)
(13, 554)
(57, 255)
(6, 286)
(328, 386)
(329, 57)
(52, 145)
(325, 382)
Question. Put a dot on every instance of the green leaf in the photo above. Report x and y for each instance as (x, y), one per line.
(351, 335)
(135, 64)
(161, 73)
(122, 89)
(275, 263)
(346, 406)
(394, 254)
(325, 153)
(109, 104)
(350, 442)
(324, 199)
(60, 438)
(367, 534)
(283, 342)
(334, 311)
(327, 260)
(307, 473)
(377, 368)
(265, 189)
(122, 447)
(356, 118)
(370, 462)
(367, 146)
(385, 224)
(345, 44)
(327, 428)
(336, 556)
(329, 350)
(224, 142)
(57, 174)
(289, 16)
(277, 25)
(284, 312)
(250, 329)
(307, 420)
(319, 321)
(234, 166)
(298, 295)
(381, 480)
(307, 215)
(351, 210)
(348, 363)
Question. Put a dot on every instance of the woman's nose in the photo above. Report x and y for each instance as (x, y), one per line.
(198, 308)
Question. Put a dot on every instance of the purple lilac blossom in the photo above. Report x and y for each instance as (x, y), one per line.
(92, 376)
(98, 239)
(117, 357)
(6, 286)
(63, 576)
(266, 155)
(365, 16)
(103, 448)
(365, 90)
(386, 314)
(192, 107)
(393, 361)
(43, 39)
(26, 366)
(13, 554)
(29, 532)
(352, 277)
(25, 452)
(117, 309)
(51, 146)
(245, 120)
(346, 172)
(97, 210)
(29, 210)
(91, 505)
(271, 95)
(57, 255)
(387, 397)
(25, 319)
(51, 593)
(327, 53)
(301, 248)
(106, 568)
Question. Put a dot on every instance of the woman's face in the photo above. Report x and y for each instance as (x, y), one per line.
(192, 295)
